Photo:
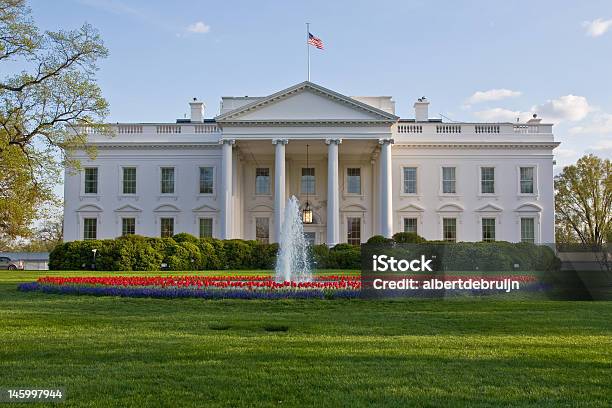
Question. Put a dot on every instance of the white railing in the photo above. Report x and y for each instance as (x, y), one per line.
(168, 128)
(206, 129)
(526, 128)
(90, 130)
(448, 128)
(129, 128)
(409, 129)
(486, 128)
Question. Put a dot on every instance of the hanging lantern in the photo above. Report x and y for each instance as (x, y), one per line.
(307, 214)
(307, 211)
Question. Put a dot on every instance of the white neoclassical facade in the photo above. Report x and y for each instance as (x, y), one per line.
(366, 172)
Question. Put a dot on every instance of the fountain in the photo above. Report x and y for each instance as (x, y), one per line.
(292, 262)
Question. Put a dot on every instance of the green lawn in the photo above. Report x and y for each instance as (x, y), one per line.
(123, 352)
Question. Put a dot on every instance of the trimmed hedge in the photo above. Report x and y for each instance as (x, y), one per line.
(184, 252)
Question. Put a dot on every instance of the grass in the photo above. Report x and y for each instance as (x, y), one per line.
(121, 352)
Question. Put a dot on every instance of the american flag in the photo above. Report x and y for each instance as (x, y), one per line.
(312, 40)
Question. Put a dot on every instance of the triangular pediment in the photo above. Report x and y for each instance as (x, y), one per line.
(167, 208)
(205, 208)
(411, 208)
(90, 208)
(306, 102)
(261, 208)
(450, 207)
(128, 208)
(354, 207)
(529, 207)
(490, 208)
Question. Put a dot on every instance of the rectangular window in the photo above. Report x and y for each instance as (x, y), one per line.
(91, 180)
(206, 227)
(262, 180)
(488, 229)
(167, 227)
(167, 180)
(308, 180)
(527, 180)
(90, 228)
(129, 180)
(310, 237)
(353, 180)
(206, 180)
(410, 225)
(410, 180)
(353, 230)
(128, 226)
(448, 180)
(528, 230)
(487, 180)
(262, 230)
(449, 229)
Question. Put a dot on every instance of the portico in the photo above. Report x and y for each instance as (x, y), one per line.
(270, 171)
(341, 132)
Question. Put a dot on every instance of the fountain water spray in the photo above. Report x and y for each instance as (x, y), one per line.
(292, 262)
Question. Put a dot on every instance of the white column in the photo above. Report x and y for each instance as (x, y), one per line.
(386, 188)
(226, 188)
(333, 193)
(279, 185)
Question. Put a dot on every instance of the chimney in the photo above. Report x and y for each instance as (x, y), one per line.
(421, 110)
(197, 110)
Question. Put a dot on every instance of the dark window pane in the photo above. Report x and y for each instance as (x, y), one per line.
(206, 180)
(353, 181)
(91, 180)
(167, 227)
(167, 180)
(354, 230)
(206, 227)
(128, 226)
(129, 180)
(90, 228)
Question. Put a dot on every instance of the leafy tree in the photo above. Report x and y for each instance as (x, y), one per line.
(583, 201)
(48, 99)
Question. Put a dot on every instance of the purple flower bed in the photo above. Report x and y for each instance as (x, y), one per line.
(176, 292)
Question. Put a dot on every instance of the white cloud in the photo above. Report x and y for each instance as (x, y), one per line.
(568, 107)
(599, 124)
(603, 145)
(597, 27)
(492, 95)
(198, 27)
(602, 148)
(498, 115)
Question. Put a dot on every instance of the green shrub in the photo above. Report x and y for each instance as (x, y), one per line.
(238, 254)
(186, 252)
(408, 238)
(185, 237)
(137, 254)
(319, 255)
(342, 247)
(264, 256)
(379, 239)
(344, 256)
(212, 251)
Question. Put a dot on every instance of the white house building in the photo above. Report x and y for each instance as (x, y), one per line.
(367, 172)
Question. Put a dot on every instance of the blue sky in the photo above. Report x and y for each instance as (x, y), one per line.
(474, 60)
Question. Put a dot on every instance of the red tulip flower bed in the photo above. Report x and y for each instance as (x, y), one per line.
(211, 287)
(250, 282)
(228, 287)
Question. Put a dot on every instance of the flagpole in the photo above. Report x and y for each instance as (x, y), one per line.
(308, 48)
